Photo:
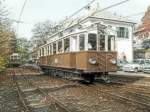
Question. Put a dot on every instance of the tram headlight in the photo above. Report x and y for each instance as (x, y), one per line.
(92, 61)
(113, 61)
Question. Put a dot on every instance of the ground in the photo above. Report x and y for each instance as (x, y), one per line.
(39, 93)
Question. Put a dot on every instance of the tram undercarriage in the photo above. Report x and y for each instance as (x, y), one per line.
(77, 75)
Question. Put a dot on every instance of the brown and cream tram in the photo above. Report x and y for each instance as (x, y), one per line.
(79, 51)
(15, 60)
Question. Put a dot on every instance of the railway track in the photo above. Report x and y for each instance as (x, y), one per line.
(20, 94)
(50, 101)
(127, 96)
(118, 91)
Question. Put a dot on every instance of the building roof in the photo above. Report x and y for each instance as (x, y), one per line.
(111, 16)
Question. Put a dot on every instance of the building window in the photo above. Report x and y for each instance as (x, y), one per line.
(122, 32)
(59, 46)
(66, 45)
(54, 48)
(92, 42)
(82, 42)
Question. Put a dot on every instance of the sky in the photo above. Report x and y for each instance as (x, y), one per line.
(55, 10)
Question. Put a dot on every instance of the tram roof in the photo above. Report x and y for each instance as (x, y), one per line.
(104, 15)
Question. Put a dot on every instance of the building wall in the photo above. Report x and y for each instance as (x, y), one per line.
(124, 46)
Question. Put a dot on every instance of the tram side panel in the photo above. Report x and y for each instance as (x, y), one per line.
(111, 63)
(64, 60)
(96, 62)
(81, 61)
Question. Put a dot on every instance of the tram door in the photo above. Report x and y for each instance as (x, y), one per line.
(74, 43)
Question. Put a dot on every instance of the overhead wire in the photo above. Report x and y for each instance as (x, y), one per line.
(101, 10)
(20, 15)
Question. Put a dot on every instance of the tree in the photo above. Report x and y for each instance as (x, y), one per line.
(144, 28)
(7, 37)
(146, 20)
(42, 31)
(24, 49)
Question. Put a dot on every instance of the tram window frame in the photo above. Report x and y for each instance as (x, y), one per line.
(54, 48)
(60, 46)
(67, 46)
(82, 42)
(93, 46)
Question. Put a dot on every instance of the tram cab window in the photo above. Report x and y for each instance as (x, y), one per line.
(66, 45)
(54, 48)
(60, 46)
(82, 42)
(92, 42)
(102, 42)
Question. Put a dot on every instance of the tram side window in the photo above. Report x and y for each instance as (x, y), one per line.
(102, 42)
(82, 42)
(50, 49)
(42, 51)
(46, 51)
(92, 43)
(66, 45)
(54, 48)
(60, 46)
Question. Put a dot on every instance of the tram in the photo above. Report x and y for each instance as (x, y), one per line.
(84, 50)
(15, 60)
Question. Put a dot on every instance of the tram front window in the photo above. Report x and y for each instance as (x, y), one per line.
(92, 42)
(66, 45)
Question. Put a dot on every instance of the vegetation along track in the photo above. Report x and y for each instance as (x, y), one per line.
(26, 88)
